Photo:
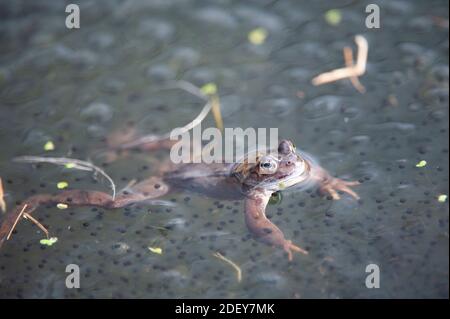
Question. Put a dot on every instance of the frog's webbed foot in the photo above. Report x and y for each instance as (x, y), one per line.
(333, 185)
(262, 228)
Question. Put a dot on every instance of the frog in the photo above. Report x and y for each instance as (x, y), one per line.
(253, 182)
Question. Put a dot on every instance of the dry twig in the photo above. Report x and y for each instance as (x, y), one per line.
(16, 221)
(74, 163)
(190, 88)
(236, 267)
(38, 224)
(348, 58)
(351, 70)
(2, 199)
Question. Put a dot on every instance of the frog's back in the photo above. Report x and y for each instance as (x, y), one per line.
(213, 180)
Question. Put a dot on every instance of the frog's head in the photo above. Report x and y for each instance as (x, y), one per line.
(274, 171)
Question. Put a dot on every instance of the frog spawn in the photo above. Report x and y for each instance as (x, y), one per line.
(398, 224)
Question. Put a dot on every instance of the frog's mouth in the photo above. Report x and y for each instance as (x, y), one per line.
(279, 183)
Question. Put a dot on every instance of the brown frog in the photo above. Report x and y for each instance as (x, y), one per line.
(254, 183)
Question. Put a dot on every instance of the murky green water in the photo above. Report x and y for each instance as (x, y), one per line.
(73, 87)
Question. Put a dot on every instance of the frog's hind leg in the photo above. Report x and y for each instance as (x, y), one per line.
(146, 190)
(149, 189)
(128, 139)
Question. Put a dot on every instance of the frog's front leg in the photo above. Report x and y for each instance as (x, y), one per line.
(332, 185)
(261, 227)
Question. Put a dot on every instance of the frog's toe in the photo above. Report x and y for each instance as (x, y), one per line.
(334, 194)
(349, 191)
(338, 185)
(344, 186)
(289, 247)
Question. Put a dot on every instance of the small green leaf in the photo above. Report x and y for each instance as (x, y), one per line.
(49, 146)
(62, 185)
(70, 165)
(421, 164)
(257, 36)
(62, 206)
(442, 198)
(333, 17)
(155, 250)
(209, 89)
(48, 242)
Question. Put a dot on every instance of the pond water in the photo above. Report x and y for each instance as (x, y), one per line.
(73, 87)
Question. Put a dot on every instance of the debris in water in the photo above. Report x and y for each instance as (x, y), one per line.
(236, 267)
(333, 17)
(190, 88)
(16, 221)
(351, 70)
(209, 89)
(155, 250)
(257, 36)
(49, 146)
(422, 163)
(442, 198)
(2, 200)
(73, 163)
(348, 58)
(38, 224)
(48, 241)
(62, 185)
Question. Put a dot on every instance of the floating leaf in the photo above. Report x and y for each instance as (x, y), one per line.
(421, 164)
(333, 17)
(49, 146)
(442, 198)
(62, 206)
(257, 36)
(49, 241)
(69, 165)
(209, 89)
(155, 250)
(62, 185)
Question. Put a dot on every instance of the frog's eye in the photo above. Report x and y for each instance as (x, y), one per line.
(268, 165)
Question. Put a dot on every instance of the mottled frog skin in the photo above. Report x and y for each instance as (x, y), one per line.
(253, 183)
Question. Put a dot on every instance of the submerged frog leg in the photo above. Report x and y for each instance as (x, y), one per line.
(127, 139)
(332, 185)
(148, 189)
(261, 227)
(121, 142)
